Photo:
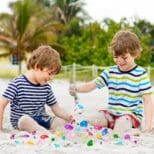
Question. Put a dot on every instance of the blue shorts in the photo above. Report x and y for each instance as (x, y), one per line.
(45, 121)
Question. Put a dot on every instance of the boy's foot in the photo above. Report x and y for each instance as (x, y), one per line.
(135, 132)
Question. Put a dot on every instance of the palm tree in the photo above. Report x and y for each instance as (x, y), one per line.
(66, 10)
(28, 26)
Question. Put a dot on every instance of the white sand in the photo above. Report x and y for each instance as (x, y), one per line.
(144, 144)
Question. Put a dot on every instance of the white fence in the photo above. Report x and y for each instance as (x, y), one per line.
(72, 72)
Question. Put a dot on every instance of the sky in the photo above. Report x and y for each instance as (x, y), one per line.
(114, 9)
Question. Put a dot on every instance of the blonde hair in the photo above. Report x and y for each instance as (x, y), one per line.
(45, 57)
(125, 42)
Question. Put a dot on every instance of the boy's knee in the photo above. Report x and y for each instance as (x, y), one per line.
(23, 121)
(98, 118)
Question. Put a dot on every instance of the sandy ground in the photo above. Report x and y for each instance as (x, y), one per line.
(77, 140)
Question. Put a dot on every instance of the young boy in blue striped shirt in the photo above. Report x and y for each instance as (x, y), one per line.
(28, 94)
(128, 84)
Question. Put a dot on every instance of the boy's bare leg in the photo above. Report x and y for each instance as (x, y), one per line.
(97, 118)
(123, 124)
(26, 123)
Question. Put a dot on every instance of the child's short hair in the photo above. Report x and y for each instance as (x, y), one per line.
(125, 42)
(45, 57)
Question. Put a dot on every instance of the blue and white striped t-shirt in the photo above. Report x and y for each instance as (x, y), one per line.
(27, 98)
(126, 90)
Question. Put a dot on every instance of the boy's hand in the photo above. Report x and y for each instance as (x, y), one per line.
(72, 90)
(69, 118)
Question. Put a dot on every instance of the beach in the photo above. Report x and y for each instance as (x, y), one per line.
(77, 140)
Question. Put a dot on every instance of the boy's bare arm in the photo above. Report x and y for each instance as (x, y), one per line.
(86, 87)
(82, 88)
(3, 103)
(61, 113)
(148, 109)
